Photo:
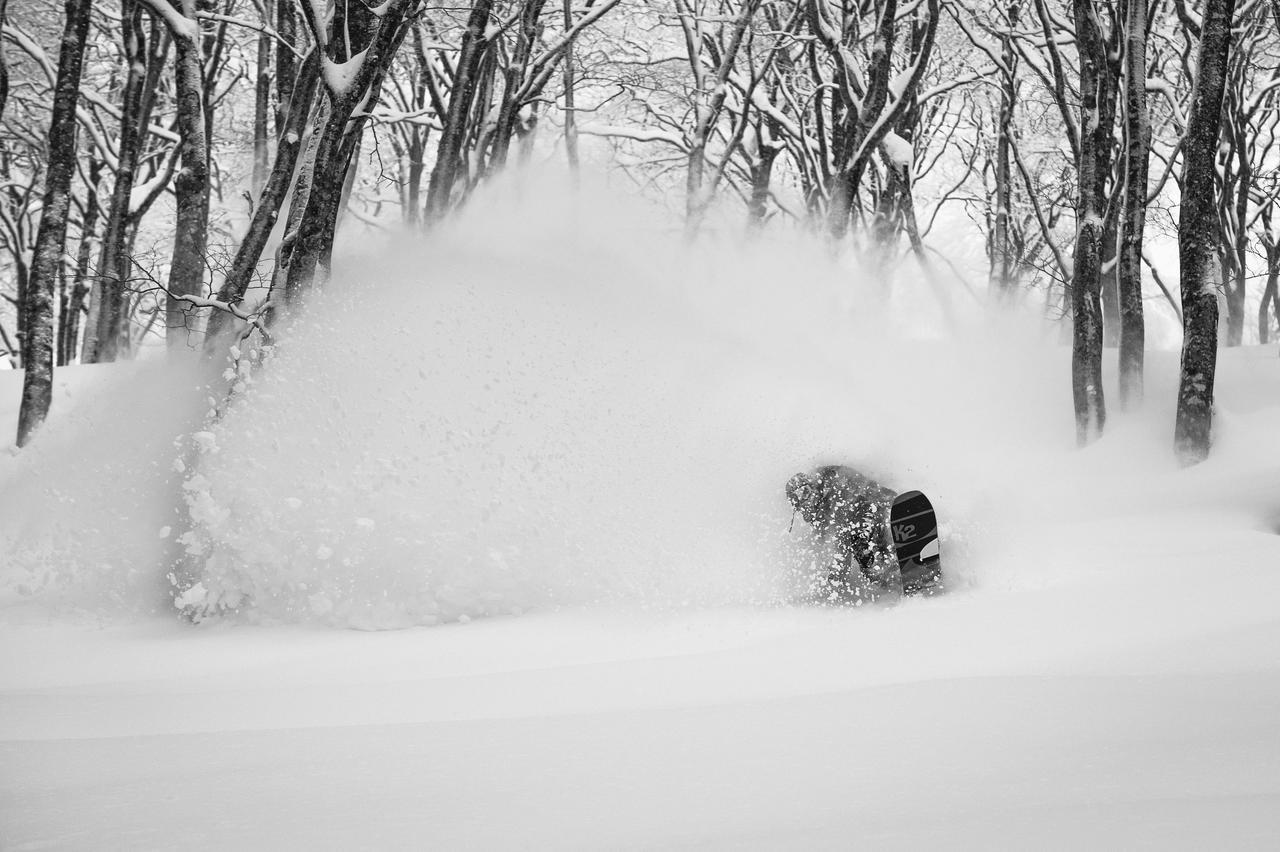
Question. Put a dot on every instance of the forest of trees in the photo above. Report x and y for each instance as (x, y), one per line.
(178, 169)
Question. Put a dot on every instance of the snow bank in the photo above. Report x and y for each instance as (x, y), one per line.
(88, 511)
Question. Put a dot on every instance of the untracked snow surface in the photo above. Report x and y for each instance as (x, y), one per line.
(494, 554)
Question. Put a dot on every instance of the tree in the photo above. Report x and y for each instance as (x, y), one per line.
(1097, 112)
(143, 56)
(4, 67)
(191, 186)
(1198, 238)
(38, 347)
(1137, 152)
(358, 48)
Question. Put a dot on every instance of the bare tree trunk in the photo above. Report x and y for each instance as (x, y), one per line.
(1134, 207)
(418, 136)
(286, 63)
(855, 147)
(1198, 239)
(104, 328)
(381, 36)
(1110, 289)
(38, 354)
(240, 274)
(570, 108)
(867, 122)
(509, 111)
(1086, 277)
(191, 188)
(10, 351)
(4, 67)
(1236, 253)
(262, 105)
(1001, 251)
(449, 152)
(709, 103)
(69, 328)
(761, 179)
(1270, 306)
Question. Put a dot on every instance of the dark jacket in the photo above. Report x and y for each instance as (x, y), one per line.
(851, 511)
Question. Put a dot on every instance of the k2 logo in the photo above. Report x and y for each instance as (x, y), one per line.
(902, 532)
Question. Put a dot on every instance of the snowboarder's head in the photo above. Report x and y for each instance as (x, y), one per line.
(804, 490)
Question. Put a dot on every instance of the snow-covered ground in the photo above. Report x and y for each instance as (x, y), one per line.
(549, 448)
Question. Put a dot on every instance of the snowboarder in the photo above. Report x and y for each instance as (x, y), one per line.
(849, 512)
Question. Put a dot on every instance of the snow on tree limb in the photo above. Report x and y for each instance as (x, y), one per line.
(178, 23)
(341, 77)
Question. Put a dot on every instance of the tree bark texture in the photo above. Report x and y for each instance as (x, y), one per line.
(1198, 236)
(286, 62)
(240, 274)
(1270, 305)
(514, 77)
(1001, 275)
(191, 188)
(261, 107)
(4, 67)
(868, 121)
(1133, 206)
(570, 106)
(1086, 276)
(853, 148)
(381, 36)
(708, 103)
(449, 152)
(1236, 253)
(38, 346)
(105, 326)
(69, 327)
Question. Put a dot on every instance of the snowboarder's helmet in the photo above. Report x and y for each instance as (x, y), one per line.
(804, 491)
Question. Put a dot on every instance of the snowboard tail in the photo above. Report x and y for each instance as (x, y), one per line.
(915, 538)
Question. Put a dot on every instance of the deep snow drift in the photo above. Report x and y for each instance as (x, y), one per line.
(557, 409)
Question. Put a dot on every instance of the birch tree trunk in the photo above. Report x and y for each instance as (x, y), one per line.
(1198, 239)
(38, 345)
(1134, 206)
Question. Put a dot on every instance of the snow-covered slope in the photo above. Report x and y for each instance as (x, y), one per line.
(565, 414)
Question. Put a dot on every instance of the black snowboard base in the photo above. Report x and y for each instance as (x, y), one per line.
(915, 538)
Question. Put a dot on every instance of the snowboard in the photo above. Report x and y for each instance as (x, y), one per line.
(915, 537)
